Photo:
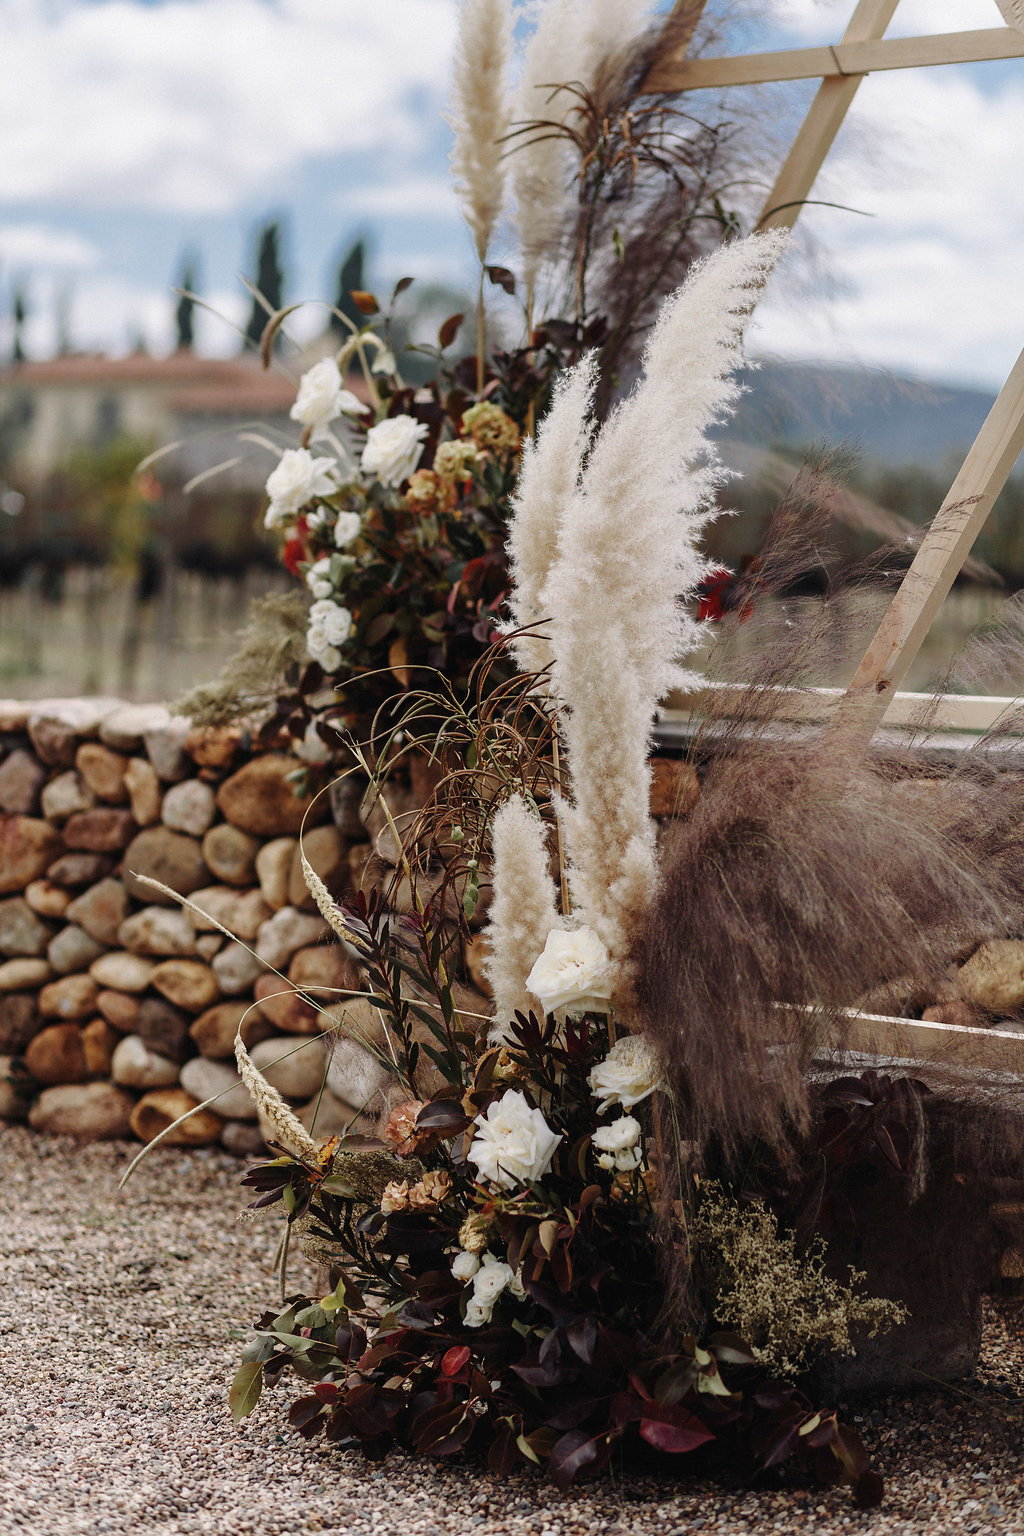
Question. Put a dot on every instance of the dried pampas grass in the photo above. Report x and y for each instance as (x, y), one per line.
(478, 113)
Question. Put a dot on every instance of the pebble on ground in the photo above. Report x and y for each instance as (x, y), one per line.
(121, 1321)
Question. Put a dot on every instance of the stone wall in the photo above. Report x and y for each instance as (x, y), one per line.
(118, 1007)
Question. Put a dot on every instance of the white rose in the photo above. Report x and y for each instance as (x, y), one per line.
(348, 527)
(322, 396)
(297, 479)
(393, 449)
(329, 626)
(477, 1315)
(514, 1143)
(573, 971)
(630, 1072)
(619, 1136)
(318, 580)
(490, 1280)
(465, 1265)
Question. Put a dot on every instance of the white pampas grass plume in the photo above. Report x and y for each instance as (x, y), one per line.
(627, 553)
(478, 114)
(290, 1129)
(548, 480)
(523, 910)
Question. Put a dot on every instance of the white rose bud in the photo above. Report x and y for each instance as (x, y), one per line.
(618, 1136)
(322, 397)
(348, 527)
(477, 1315)
(465, 1265)
(329, 626)
(630, 1072)
(573, 972)
(393, 449)
(514, 1143)
(490, 1280)
(297, 479)
(318, 580)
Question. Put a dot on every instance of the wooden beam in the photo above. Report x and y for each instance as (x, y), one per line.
(939, 558)
(976, 713)
(837, 60)
(954, 1045)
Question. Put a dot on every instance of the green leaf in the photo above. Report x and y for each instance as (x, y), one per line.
(245, 1390)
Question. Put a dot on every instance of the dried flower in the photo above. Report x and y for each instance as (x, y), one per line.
(395, 1197)
(474, 1232)
(629, 1073)
(297, 480)
(573, 971)
(456, 458)
(400, 1132)
(428, 492)
(393, 448)
(514, 1143)
(431, 1191)
(478, 113)
(490, 428)
(348, 527)
(322, 397)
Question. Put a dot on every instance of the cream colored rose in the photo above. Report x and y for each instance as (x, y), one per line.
(618, 1144)
(322, 397)
(573, 971)
(348, 527)
(514, 1144)
(329, 626)
(630, 1072)
(465, 1265)
(393, 449)
(296, 481)
(318, 578)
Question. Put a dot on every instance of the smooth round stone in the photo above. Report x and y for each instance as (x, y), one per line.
(189, 984)
(158, 931)
(65, 796)
(56, 1055)
(213, 746)
(236, 968)
(134, 1065)
(47, 899)
(241, 912)
(325, 971)
(214, 1031)
(19, 1020)
(165, 748)
(260, 798)
(120, 1009)
(123, 728)
(105, 829)
(994, 976)
(243, 1138)
(355, 1075)
(21, 931)
(72, 949)
(28, 846)
(70, 997)
(230, 854)
(326, 852)
(189, 807)
(103, 772)
(273, 870)
(90, 1111)
(100, 910)
(122, 971)
(203, 1078)
(98, 1042)
(170, 857)
(207, 945)
(143, 786)
(24, 973)
(22, 777)
(80, 869)
(161, 1107)
(163, 1028)
(294, 1068)
(288, 930)
(282, 1005)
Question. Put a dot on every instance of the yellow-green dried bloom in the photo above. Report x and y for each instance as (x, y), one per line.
(489, 427)
(473, 1233)
(454, 460)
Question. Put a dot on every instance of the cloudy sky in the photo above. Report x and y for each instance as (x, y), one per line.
(135, 129)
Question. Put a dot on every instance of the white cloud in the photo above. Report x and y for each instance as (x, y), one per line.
(429, 196)
(193, 105)
(41, 246)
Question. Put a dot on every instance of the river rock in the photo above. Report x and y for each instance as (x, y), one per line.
(19, 1020)
(123, 728)
(327, 852)
(208, 945)
(189, 984)
(158, 931)
(325, 971)
(231, 854)
(203, 1078)
(241, 912)
(214, 746)
(21, 932)
(24, 972)
(283, 1006)
(103, 772)
(243, 1138)
(956, 1011)
(214, 1031)
(134, 1065)
(98, 1042)
(163, 1027)
(22, 777)
(159, 1108)
(72, 949)
(90, 1111)
(16, 1089)
(170, 857)
(74, 869)
(288, 930)
(100, 910)
(346, 796)
(56, 1055)
(47, 899)
(294, 1069)
(189, 807)
(27, 847)
(235, 968)
(54, 740)
(165, 749)
(993, 977)
(273, 870)
(69, 998)
(143, 786)
(354, 1075)
(260, 798)
(121, 1009)
(103, 830)
(65, 796)
(122, 971)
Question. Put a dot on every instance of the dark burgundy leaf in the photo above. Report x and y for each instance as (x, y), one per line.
(868, 1490)
(326, 1392)
(449, 330)
(416, 1314)
(571, 1453)
(673, 1429)
(503, 1454)
(501, 277)
(453, 1360)
(582, 1336)
(443, 1115)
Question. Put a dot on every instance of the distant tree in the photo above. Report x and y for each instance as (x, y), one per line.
(19, 314)
(351, 276)
(184, 315)
(63, 321)
(269, 280)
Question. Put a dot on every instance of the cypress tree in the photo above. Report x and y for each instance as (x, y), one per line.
(184, 315)
(351, 275)
(269, 280)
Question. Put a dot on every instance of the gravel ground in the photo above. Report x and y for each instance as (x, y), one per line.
(116, 1315)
